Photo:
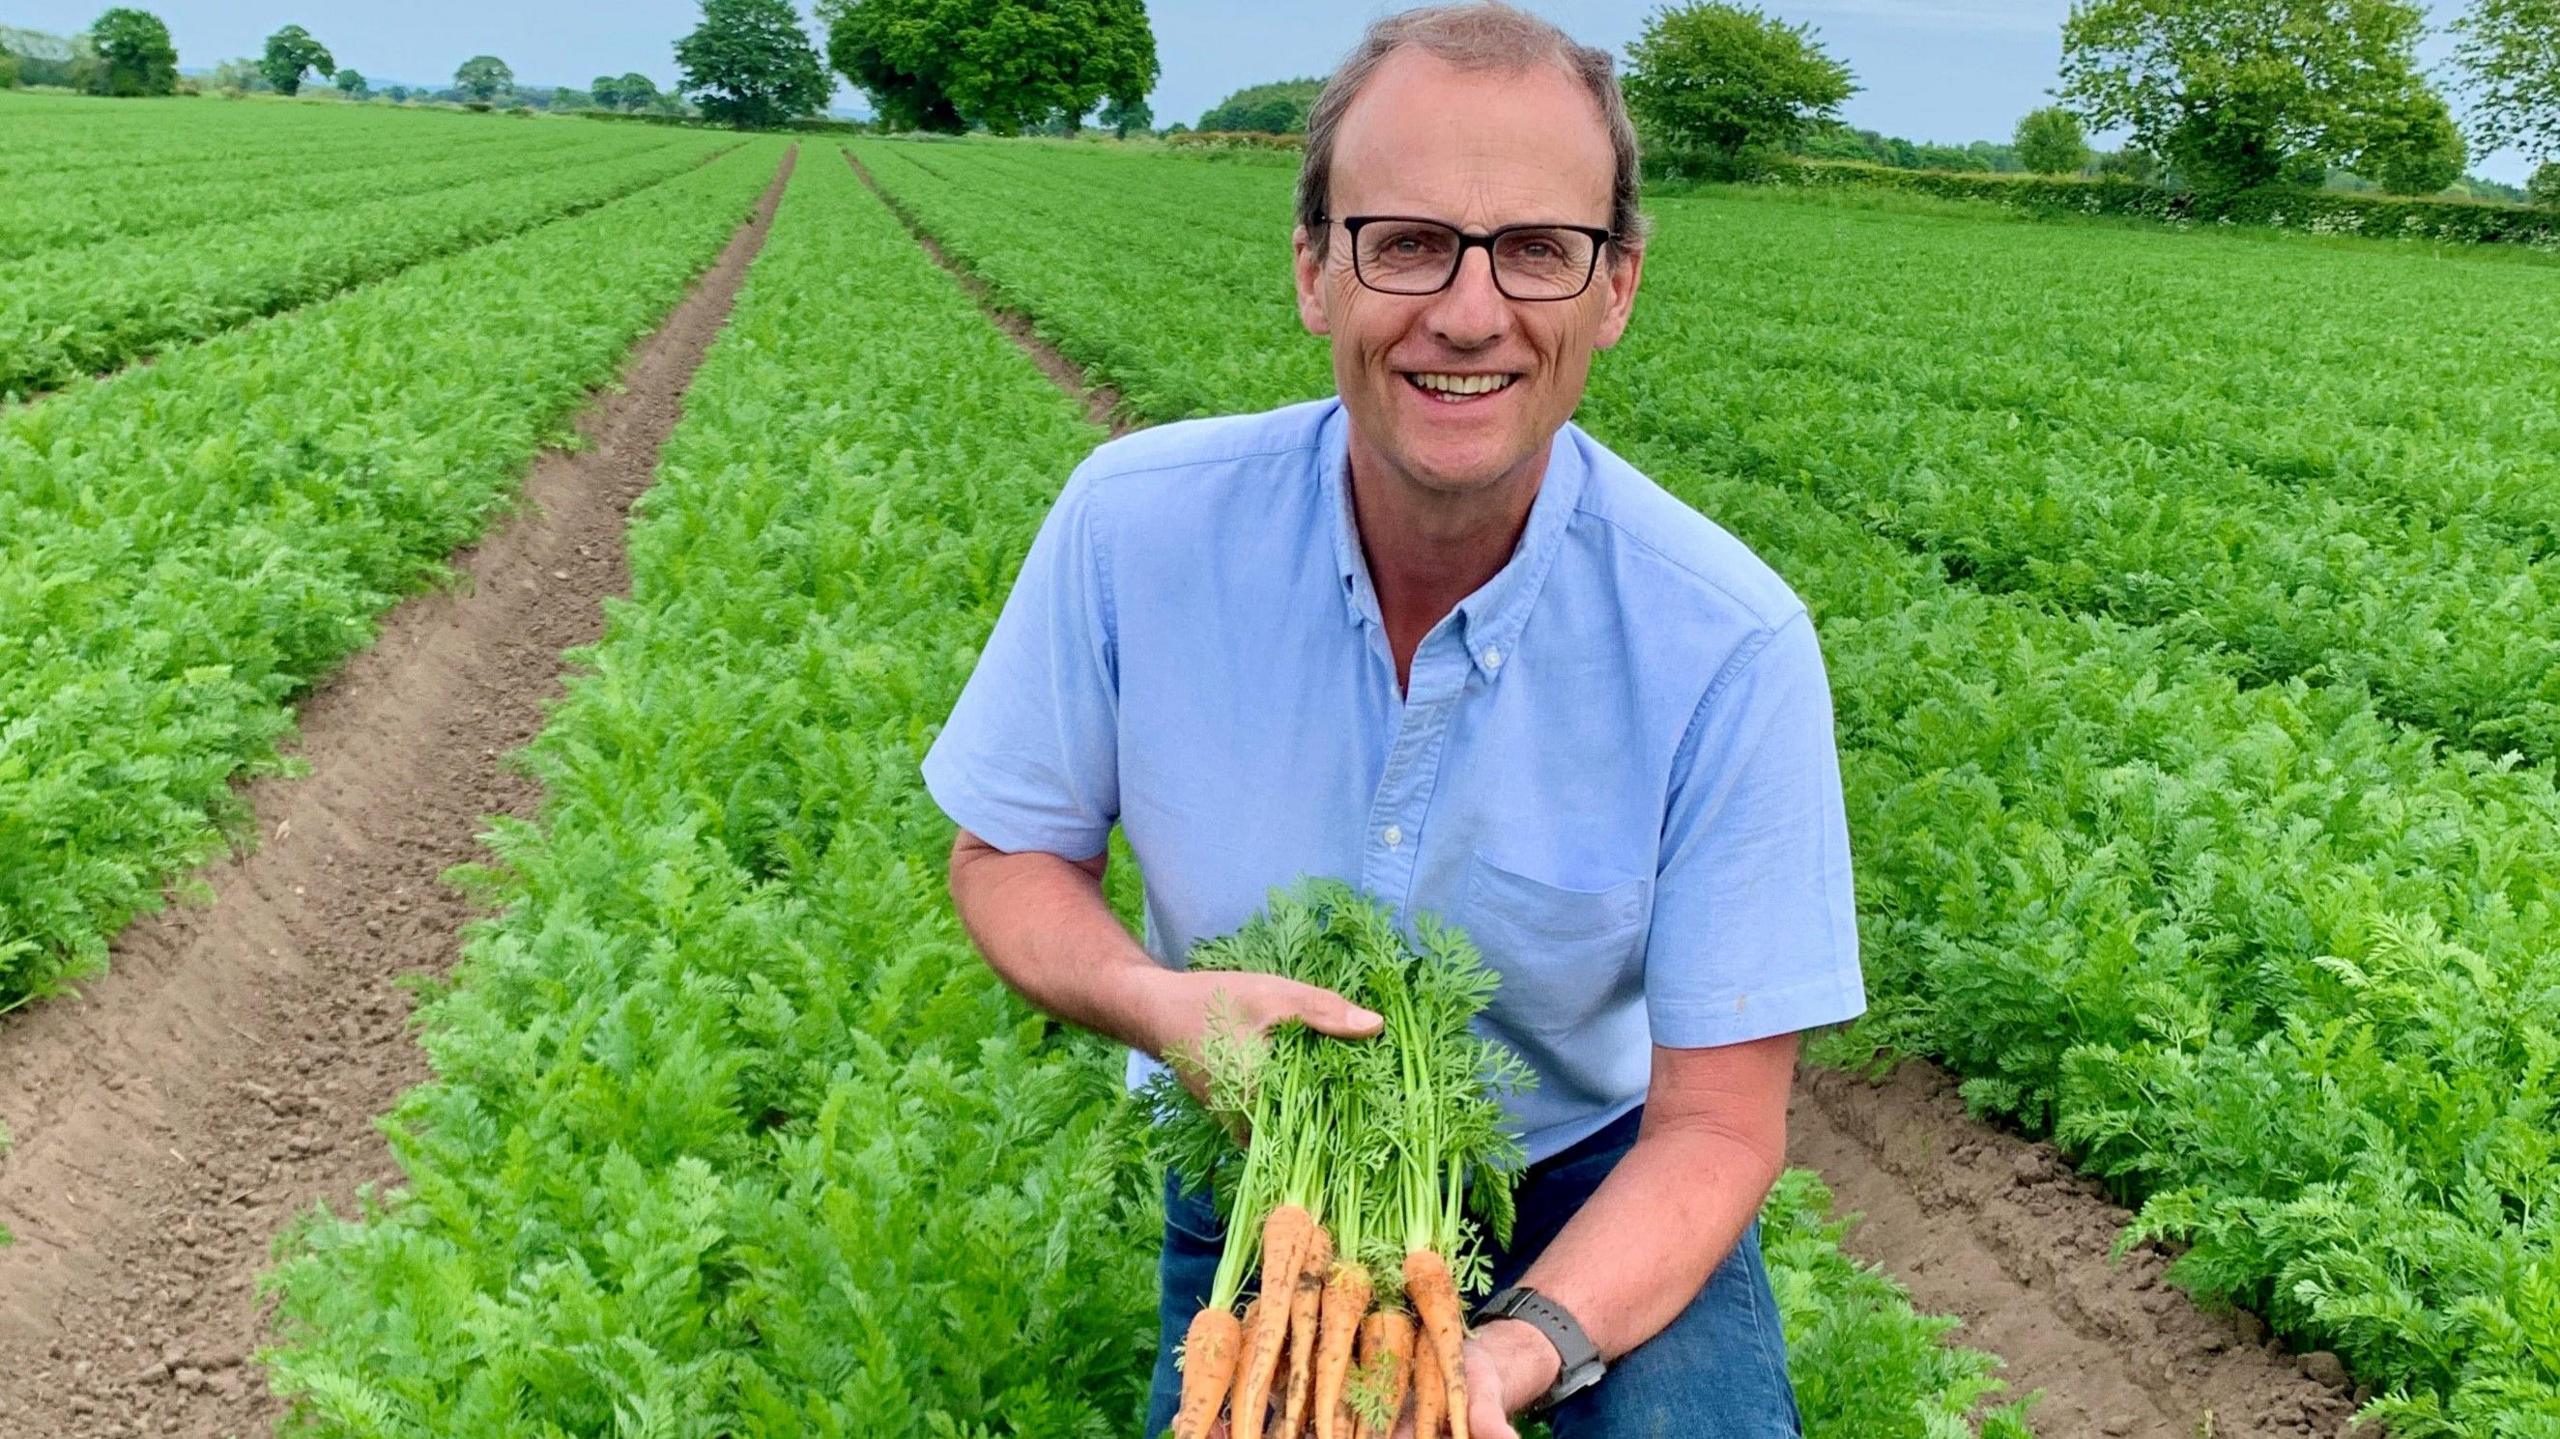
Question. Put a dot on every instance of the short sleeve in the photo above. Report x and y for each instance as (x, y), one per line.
(1755, 928)
(1029, 759)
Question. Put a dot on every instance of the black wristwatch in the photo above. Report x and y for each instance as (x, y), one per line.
(1581, 1368)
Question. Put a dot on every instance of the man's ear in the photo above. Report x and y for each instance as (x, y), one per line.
(1308, 268)
(1626, 271)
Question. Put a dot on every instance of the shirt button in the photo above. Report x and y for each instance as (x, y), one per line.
(1493, 659)
(1393, 835)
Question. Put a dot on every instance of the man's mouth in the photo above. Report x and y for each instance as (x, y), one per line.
(1456, 389)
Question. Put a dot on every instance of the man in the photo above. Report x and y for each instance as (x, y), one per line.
(1431, 638)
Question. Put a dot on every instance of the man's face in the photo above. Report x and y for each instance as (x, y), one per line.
(1479, 150)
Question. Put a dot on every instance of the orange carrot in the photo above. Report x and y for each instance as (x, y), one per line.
(1371, 1343)
(1346, 1299)
(1304, 1309)
(1396, 1328)
(1444, 1326)
(1252, 1322)
(1209, 1354)
(1430, 1396)
(1284, 1248)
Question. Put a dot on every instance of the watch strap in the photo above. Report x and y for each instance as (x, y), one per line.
(1581, 1366)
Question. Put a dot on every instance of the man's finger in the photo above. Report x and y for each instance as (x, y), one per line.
(1329, 1013)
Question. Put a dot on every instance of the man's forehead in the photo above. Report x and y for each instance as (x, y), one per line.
(1433, 137)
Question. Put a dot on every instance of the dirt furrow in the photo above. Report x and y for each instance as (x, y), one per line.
(2000, 1232)
(224, 1075)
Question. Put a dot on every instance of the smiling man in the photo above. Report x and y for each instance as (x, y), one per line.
(1431, 638)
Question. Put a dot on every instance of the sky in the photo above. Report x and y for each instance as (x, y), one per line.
(1945, 70)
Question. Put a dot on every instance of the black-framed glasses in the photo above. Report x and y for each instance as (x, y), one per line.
(1411, 255)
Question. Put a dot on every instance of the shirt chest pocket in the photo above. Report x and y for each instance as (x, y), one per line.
(1566, 956)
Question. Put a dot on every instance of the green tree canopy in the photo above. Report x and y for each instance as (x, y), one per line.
(1729, 83)
(1010, 65)
(484, 77)
(750, 64)
(352, 81)
(606, 91)
(2228, 91)
(135, 56)
(2051, 142)
(1277, 108)
(636, 91)
(1122, 116)
(2413, 147)
(292, 53)
(2544, 188)
(2510, 51)
(397, 94)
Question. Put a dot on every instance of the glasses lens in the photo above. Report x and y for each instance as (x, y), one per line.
(1406, 257)
(1542, 264)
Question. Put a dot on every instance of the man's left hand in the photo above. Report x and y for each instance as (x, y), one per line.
(1509, 1364)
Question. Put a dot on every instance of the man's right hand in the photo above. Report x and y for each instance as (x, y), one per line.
(1183, 1006)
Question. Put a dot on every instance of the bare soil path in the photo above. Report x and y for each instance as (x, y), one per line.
(225, 1073)
(1999, 1232)
(1974, 1222)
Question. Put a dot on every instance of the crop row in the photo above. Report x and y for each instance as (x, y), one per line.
(185, 548)
(731, 1133)
(86, 207)
(2276, 966)
(69, 313)
(44, 135)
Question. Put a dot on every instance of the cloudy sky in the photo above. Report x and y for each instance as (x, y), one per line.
(1951, 70)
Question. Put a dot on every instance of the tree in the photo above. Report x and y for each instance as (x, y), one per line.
(2130, 163)
(484, 78)
(1730, 84)
(2229, 90)
(397, 94)
(1124, 116)
(1009, 65)
(2510, 51)
(352, 82)
(607, 92)
(2050, 142)
(1278, 108)
(749, 64)
(638, 92)
(2544, 188)
(238, 75)
(292, 53)
(2413, 148)
(8, 71)
(135, 56)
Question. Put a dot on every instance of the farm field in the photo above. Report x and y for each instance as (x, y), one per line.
(716, 1126)
(2277, 966)
(244, 513)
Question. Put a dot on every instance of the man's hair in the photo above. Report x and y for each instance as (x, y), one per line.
(1488, 35)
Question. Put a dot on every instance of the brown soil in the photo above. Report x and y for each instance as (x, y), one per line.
(1101, 402)
(1998, 1231)
(224, 1075)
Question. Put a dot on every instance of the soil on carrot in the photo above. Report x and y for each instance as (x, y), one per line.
(225, 1073)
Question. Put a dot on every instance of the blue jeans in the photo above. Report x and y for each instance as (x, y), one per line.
(1718, 1371)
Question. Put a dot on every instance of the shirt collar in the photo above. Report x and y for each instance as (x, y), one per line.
(1491, 617)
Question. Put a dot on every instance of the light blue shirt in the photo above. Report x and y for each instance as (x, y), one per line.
(1614, 768)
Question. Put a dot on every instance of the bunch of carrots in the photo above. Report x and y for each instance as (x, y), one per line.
(1356, 1178)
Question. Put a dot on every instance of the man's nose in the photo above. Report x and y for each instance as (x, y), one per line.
(1472, 312)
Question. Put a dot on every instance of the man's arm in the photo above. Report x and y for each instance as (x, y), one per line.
(1713, 1141)
(1046, 930)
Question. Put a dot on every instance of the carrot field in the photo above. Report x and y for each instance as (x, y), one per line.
(2197, 677)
